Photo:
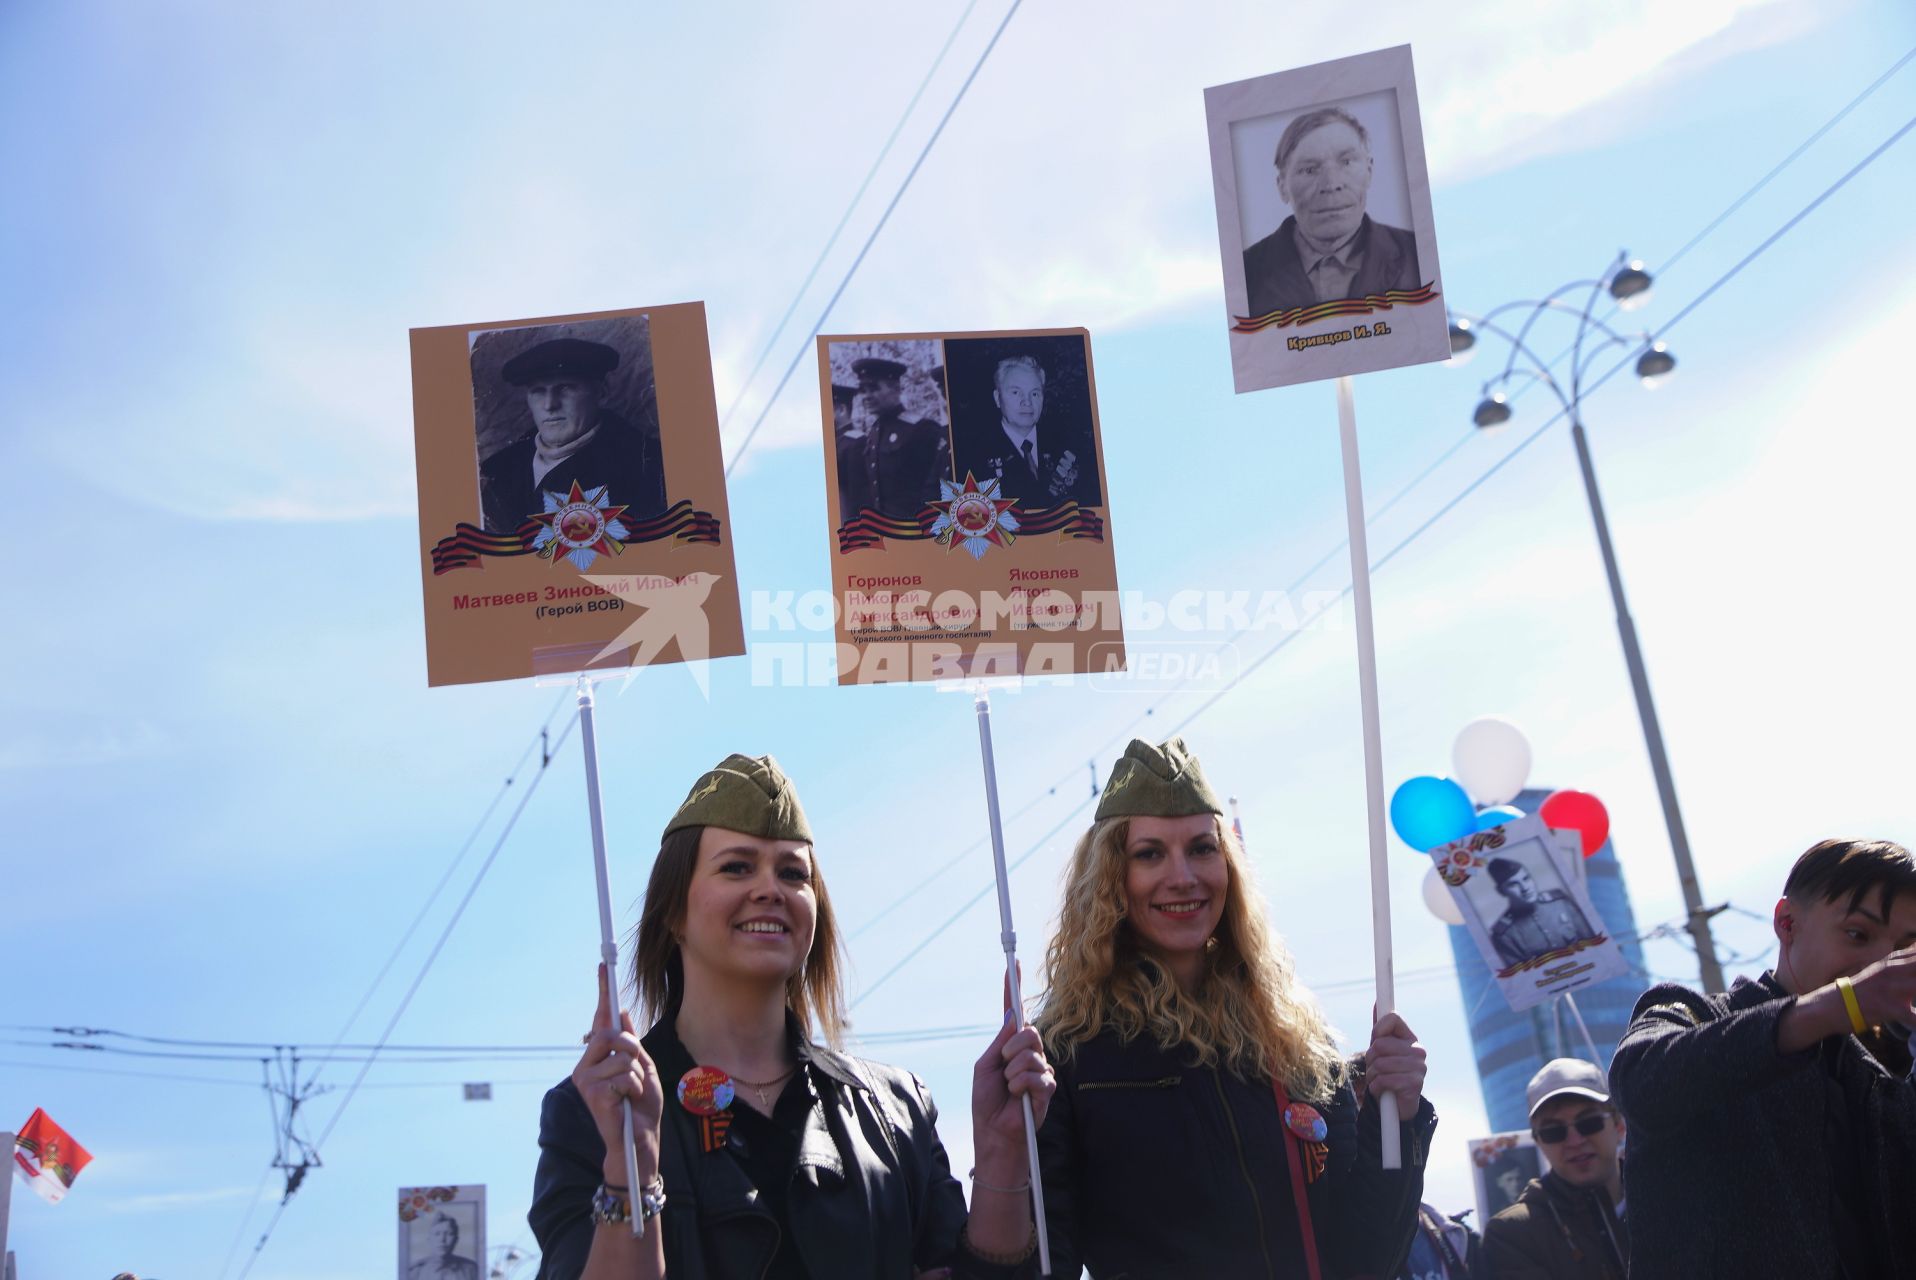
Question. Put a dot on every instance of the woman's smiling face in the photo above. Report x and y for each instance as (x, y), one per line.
(1175, 881)
(750, 910)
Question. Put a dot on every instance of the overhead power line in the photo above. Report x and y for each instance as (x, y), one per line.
(1452, 504)
(806, 348)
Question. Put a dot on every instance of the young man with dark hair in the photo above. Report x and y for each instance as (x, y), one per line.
(1773, 1127)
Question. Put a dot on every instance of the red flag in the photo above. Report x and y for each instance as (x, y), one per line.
(46, 1157)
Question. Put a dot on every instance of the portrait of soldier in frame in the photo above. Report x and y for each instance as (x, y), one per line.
(555, 405)
(894, 448)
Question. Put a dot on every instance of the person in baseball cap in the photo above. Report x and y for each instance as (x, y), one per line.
(1568, 1223)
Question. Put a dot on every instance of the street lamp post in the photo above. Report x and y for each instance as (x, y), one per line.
(1629, 284)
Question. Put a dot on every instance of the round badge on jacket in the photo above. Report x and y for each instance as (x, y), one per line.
(1304, 1121)
(705, 1091)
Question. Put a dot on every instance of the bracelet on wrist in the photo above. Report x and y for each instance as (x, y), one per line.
(612, 1205)
(1857, 1023)
(999, 1259)
(982, 1185)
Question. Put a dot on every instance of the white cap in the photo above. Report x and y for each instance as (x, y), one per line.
(1567, 1075)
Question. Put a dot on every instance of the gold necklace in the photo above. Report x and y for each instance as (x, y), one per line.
(760, 1086)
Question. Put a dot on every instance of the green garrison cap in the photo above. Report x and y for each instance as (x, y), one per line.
(1157, 782)
(743, 794)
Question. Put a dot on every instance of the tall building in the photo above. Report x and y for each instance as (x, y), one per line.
(1511, 1047)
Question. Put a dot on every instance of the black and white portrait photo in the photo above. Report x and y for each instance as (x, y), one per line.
(1324, 221)
(1503, 1174)
(442, 1233)
(1524, 903)
(892, 445)
(1522, 900)
(1535, 920)
(1021, 413)
(555, 405)
(1339, 226)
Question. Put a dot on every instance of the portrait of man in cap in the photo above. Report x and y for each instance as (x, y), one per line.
(1535, 919)
(904, 457)
(1022, 415)
(576, 410)
(1329, 248)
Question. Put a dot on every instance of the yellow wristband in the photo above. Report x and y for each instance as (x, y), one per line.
(1856, 1022)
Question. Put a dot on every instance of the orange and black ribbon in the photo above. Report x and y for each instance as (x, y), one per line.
(1551, 957)
(681, 522)
(870, 528)
(712, 1131)
(1339, 307)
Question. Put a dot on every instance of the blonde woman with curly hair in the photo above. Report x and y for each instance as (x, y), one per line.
(1205, 1122)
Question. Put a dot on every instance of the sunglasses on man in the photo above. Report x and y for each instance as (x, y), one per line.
(1589, 1126)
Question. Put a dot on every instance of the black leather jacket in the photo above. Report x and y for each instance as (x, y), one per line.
(1158, 1170)
(871, 1194)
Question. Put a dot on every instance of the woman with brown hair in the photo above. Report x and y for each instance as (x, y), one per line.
(1205, 1123)
(762, 1153)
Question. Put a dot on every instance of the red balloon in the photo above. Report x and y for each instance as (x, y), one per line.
(1577, 811)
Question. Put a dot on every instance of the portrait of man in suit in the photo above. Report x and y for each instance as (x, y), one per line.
(1329, 248)
(1022, 415)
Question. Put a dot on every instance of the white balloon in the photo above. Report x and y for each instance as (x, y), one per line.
(1491, 758)
(1437, 898)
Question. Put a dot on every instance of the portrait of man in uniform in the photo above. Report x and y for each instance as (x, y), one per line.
(904, 457)
(1329, 248)
(848, 437)
(1504, 1178)
(574, 410)
(1535, 920)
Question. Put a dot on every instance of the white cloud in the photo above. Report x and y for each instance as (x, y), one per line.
(1070, 188)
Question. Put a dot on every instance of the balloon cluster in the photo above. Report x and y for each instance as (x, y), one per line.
(1491, 761)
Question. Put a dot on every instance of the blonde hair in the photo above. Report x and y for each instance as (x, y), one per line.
(1248, 1014)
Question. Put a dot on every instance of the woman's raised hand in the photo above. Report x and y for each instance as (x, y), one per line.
(614, 1068)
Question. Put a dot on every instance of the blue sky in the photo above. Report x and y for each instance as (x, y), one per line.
(226, 789)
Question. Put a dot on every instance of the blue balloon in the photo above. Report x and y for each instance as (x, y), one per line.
(1497, 815)
(1429, 811)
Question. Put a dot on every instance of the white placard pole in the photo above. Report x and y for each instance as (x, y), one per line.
(1373, 747)
(1010, 939)
(608, 947)
(6, 1193)
(1570, 999)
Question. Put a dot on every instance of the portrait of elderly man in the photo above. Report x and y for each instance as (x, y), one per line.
(1534, 921)
(444, 1264)
(1329, 247)
(905, 458)
(574, 436)
(1038, 461)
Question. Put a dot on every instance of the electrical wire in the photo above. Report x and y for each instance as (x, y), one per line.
(831, 241)
(1415, 482)
(539, 744)
(870, 240)
(446, 933)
